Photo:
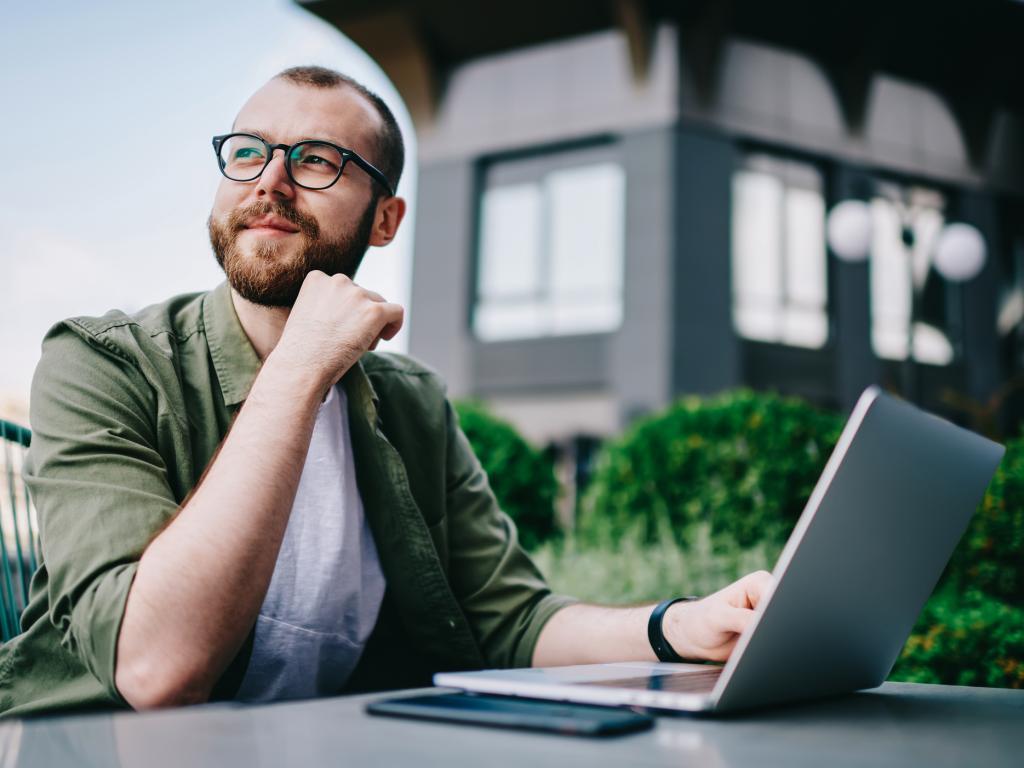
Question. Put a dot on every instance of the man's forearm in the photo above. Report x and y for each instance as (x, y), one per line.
(594, 634)
(201, 582)
(706, 629)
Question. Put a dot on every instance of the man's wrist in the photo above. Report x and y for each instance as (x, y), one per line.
(292, 378)
(665, 630)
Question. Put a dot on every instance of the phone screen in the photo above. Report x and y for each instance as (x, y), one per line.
(511, 712)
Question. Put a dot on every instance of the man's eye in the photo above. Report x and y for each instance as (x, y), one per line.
(319, 163)
(248, 153)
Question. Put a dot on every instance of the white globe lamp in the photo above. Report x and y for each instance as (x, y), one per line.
(959, 253)
(849, 230)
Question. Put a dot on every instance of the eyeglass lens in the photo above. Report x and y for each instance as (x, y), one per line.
(313, 164)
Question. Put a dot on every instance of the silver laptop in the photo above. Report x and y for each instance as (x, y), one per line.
(883, 520)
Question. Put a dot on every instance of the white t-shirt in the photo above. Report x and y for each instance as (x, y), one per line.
(327, 586)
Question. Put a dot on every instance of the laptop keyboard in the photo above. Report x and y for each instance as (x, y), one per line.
(680, 682)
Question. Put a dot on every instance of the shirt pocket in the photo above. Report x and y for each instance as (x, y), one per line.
(290, 662)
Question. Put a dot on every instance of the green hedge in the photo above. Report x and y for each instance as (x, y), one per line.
(965, 639)
(971, 632)
(990, 557)
(744, 462)
(727, 477)
(522, 478)
(743, 465)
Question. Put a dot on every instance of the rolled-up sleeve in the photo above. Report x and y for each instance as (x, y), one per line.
(500, 589)
(99, 485)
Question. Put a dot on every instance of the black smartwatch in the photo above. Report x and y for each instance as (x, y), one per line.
(662, 649)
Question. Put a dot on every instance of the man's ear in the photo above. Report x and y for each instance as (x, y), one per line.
(390, 212)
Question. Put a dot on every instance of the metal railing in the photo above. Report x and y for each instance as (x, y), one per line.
(19, 539)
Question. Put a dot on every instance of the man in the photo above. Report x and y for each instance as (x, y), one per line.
(239, 500)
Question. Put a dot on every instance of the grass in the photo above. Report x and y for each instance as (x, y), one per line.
(621, 569)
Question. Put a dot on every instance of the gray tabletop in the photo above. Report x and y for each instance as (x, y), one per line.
(897, 724)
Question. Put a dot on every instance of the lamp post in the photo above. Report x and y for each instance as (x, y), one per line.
(958, 255)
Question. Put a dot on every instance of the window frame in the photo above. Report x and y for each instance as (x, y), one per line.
(745, 150)
(533, 164)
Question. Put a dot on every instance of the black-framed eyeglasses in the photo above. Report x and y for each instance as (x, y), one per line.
(309, 164)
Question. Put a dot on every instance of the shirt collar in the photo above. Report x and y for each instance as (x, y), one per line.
(360, 391)
(234, 359)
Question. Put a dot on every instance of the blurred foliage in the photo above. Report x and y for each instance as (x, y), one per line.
(632, 570)
(522, 478)
(971, 631)
(990, 557)
(743, 462)
(690, 499)
(965, 639)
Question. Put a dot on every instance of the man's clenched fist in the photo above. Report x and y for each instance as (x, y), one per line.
(332, 324)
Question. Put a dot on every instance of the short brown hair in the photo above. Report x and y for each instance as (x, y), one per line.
(390, 149)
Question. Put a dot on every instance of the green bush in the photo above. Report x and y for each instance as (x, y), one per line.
(727, 477)
(971, 632)
(965, 639)
(990, 557)
(522, 478)
(743, 462)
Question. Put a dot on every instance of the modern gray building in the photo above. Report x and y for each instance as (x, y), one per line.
(620, 202)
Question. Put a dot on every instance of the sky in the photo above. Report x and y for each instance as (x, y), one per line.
(91, 94)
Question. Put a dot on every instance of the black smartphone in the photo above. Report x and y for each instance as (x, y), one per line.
(510, 712)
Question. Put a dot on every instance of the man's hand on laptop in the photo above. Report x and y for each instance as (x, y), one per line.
(705, 629)
(709, 628)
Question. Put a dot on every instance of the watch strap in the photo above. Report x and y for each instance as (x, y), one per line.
(655, 632)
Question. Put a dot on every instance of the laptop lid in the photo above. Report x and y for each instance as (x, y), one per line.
(884, 518)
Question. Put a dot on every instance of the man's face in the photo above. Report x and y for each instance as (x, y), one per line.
(269, 233)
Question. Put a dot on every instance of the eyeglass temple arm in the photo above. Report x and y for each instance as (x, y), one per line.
(374, 172)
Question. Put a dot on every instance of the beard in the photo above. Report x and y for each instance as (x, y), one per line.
(267, 276)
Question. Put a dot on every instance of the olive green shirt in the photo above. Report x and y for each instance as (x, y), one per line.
(128, 410)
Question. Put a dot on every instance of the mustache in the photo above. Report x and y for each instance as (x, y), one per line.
(306, 224)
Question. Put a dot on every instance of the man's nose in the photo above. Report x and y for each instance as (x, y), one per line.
(274, 180)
